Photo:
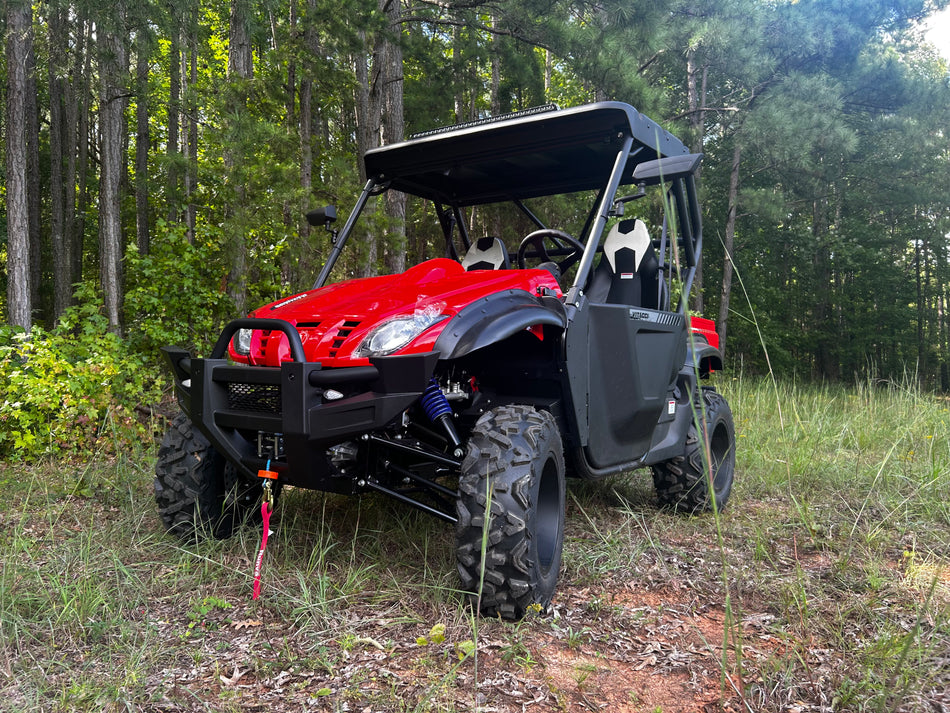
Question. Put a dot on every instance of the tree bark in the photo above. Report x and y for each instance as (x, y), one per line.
(918, 274)
(191, 146)
(58, 135)
(367, 137)
(495, 86)
(729, 239)
(19, 27)
(367, 114)
(33, 176)
(696, 101)
(74, 100)
(290, 110)
(82, 151)
(393, 125)
(113, 69)
(826, 352)
(172, 153)
(141, 143)
(240, 57)
(240, 70)
(303, 261)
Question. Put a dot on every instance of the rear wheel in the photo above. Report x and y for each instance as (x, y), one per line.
(684, 482)
(199, 494)
(514, 470)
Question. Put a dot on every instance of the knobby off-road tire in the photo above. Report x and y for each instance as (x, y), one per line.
(682, 482)
(515, 460)
(198, 493)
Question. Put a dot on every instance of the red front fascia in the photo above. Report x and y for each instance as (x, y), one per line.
(334, 320)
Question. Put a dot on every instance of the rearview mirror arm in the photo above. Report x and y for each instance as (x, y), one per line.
(340, 240)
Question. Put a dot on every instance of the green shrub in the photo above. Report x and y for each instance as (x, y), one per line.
(71, 391)
(175, 294)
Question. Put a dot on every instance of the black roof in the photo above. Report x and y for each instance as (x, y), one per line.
(521, 156)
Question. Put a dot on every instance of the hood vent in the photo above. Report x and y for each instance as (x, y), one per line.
(341, 335)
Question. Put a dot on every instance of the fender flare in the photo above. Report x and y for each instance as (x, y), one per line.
(494, 318)
(703, 357)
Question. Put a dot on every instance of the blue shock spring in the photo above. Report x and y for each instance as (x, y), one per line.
(434, 402)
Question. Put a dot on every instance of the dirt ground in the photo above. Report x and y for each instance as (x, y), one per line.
(625, 650)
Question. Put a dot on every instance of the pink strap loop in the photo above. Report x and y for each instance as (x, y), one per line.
(265, 514)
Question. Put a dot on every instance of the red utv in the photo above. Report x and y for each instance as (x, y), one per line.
(469, 386)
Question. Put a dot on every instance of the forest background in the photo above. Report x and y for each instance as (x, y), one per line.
(159, 159)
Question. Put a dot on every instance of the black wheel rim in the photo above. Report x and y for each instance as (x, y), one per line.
(719, 450)
(548, 515)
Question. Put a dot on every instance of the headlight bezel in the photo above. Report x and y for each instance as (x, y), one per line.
(241, 342)
(398, 332)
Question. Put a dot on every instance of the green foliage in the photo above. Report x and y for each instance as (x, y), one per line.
(174, 294)
(842, 223)
(71, 391)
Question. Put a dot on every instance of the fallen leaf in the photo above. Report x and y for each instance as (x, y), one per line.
(235, 677)
(246, 623)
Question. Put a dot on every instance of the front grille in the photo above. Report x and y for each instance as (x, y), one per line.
(258, 398)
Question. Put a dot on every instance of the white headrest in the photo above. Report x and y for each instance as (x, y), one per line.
(637, 239)
(486, 250)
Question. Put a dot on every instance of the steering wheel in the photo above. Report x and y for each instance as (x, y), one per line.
(537, 240)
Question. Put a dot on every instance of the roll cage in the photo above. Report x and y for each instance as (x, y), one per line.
(545, 152)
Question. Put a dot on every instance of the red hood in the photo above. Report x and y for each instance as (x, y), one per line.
(335, 319)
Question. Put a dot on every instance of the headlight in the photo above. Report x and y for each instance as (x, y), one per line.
(242, 342)
(399, 331)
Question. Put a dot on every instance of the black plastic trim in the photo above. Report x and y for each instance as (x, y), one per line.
(307, 422)
(293, 336)
(703, 357)
(494, 318)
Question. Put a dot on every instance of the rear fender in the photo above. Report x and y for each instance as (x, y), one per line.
(496, 317)
(702, 357)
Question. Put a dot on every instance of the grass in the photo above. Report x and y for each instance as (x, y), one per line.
(833, 556)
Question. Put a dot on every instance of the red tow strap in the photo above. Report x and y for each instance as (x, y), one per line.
(265, 514)
(267, 507)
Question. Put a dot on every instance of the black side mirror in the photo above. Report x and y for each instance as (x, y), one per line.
(670, 168)
(322, 216)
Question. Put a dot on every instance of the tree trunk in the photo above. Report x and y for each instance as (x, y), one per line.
(918, 274)
(548, 72)
(240, 70)
(58, 124)
(304, 263)
(33, 176)
(240, 57)
(944, 340)
(172, 153)
(393, 124)
(495, 86)
(191, 146)
(367, 137)
(826, 353)
(367, 114)
(729, 239)
(74, 105)
(82, 158)
(458, 72)
(696, 98)
(19, 28)
(113, 69)
(141, 143)
(290, 113)
(929, 317)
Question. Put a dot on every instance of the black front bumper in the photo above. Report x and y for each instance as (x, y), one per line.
(232, 404)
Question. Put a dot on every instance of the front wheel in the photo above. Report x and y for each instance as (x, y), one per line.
(514, 470)
(684, 482)
(198, 493)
